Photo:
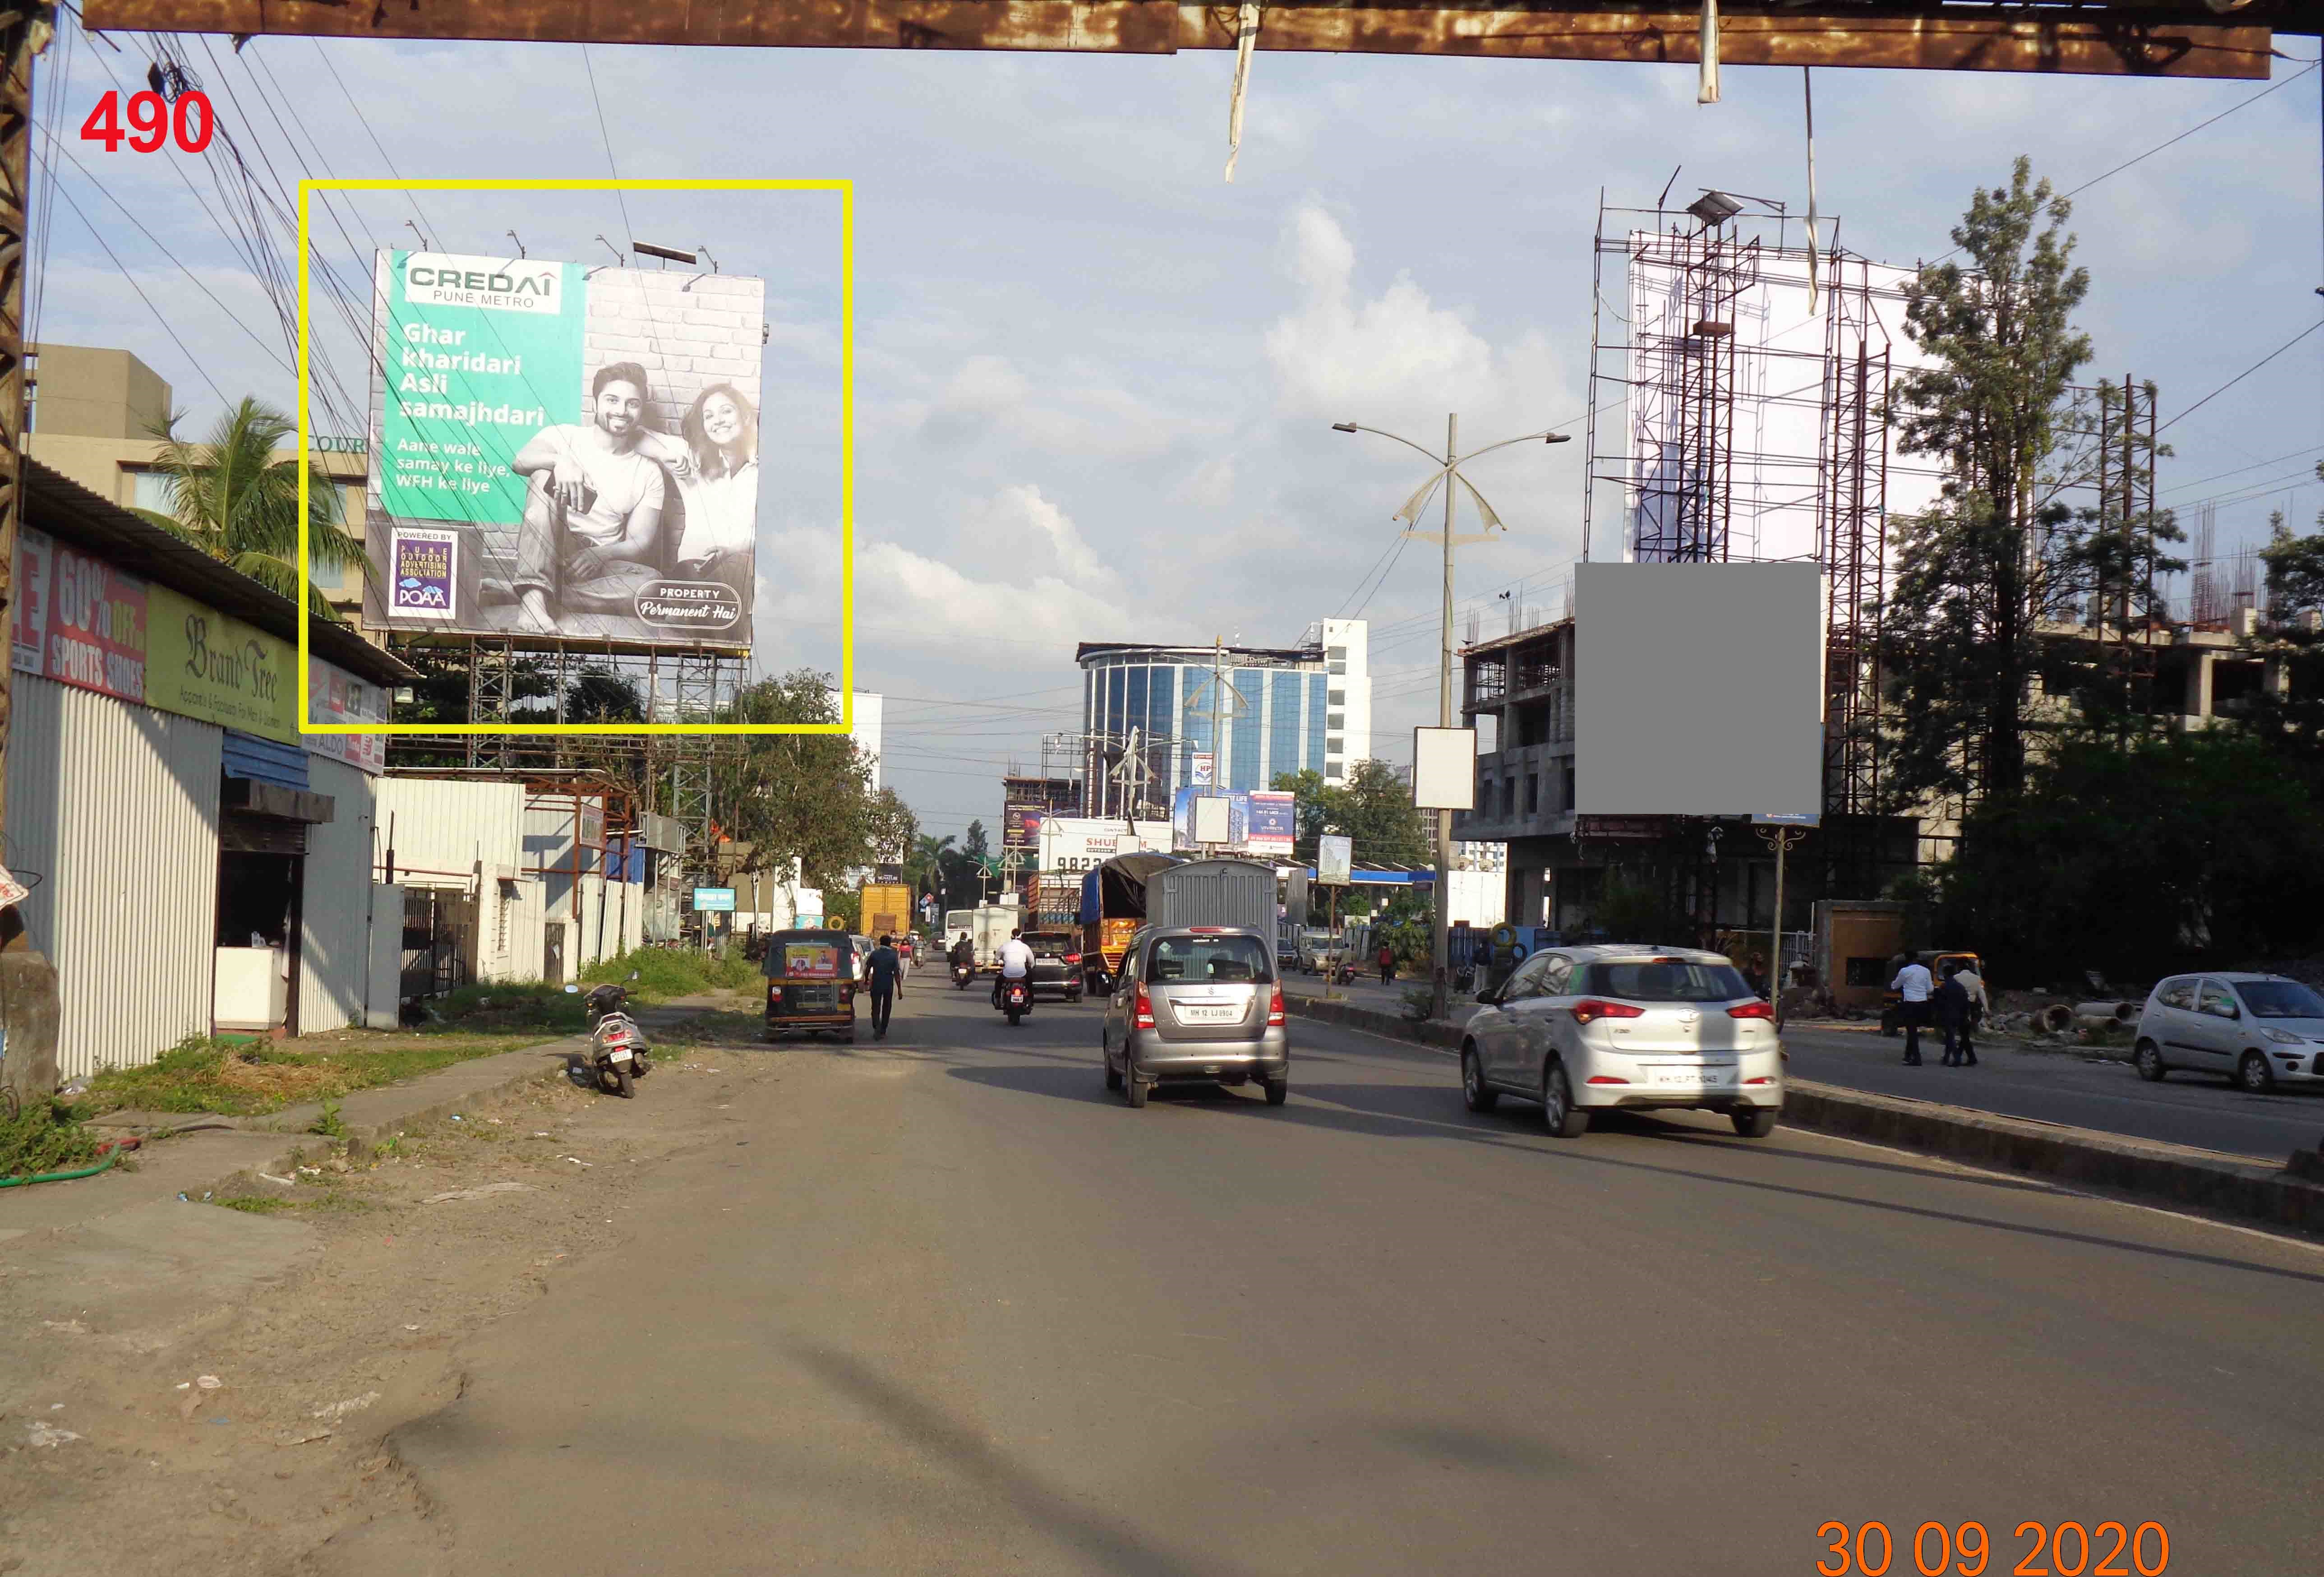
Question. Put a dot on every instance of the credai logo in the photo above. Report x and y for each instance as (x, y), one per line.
(497, 284)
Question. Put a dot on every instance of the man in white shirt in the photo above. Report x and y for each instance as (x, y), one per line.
(1912, 983)
(1016, 964)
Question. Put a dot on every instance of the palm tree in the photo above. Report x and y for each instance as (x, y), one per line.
(231, 498)
(925, 860)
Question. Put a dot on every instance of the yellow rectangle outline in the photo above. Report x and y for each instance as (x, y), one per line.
(846, 191)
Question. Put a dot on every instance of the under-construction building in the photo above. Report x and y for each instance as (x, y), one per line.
(1739, 371)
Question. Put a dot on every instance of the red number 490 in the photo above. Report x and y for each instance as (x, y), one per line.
(189, 121)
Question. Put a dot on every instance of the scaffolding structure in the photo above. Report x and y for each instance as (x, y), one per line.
(1750, 425)
(513, 681)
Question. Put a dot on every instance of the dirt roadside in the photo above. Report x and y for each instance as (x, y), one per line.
(207, 1392)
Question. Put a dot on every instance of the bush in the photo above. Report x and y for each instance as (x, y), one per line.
(664, 973)
(44, 1137)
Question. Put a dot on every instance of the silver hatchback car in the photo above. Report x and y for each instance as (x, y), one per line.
(1196, 1004)
(2258, 1029)
(1628, 1027)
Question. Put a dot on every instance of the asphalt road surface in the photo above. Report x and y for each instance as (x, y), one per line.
(2051, 1086)
(2055, 1086)
(954, 1308)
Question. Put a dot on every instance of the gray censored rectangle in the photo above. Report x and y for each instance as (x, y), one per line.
(1698, 689)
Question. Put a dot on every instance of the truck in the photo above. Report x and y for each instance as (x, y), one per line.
(988, 928)
(886, 908)
(1113, 906)
(1240, 893)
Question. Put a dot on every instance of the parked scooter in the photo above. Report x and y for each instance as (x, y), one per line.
(617, 1053)
(1016, 999)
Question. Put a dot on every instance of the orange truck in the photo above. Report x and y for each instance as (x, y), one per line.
(887, 910)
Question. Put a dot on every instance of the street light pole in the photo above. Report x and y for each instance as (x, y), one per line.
(1449, 473)
(1441, 943)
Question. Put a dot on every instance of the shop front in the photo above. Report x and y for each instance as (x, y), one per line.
(194, 864)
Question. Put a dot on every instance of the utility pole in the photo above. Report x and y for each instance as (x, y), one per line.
(1448, 473)
(24, 34)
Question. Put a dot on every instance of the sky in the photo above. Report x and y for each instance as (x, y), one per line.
(1094, 382)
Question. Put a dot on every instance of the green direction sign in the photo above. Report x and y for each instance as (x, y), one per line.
(481, 353)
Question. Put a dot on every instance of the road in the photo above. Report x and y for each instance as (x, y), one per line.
(2055, 1086)
(953, 1309)
(2052, 1086)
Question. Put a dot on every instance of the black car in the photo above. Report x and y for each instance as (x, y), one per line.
(1056, 963)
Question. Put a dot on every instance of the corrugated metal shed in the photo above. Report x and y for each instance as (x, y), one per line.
(442, 829)
(334, 909)
(116, 809)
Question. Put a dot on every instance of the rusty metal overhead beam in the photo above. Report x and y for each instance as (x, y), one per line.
(2119, 40)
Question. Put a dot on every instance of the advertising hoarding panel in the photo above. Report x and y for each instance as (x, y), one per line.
(1334, 856)
(1676, 665)
(1444, 769)
(564, 451)
(1072, 845)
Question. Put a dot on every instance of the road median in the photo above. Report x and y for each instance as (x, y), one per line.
(2277, 1195)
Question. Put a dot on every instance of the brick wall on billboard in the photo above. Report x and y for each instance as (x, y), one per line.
(687, 338)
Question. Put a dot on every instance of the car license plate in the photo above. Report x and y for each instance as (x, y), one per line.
(1690, 1075)
(1205, 1013)
(619, 1054)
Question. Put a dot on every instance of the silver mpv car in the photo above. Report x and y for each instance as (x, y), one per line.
(1196, 1004)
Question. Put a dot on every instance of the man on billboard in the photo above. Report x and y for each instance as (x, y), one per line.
(591, 538)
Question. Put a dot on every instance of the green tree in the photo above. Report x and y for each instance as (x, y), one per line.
(1998, 331)
(2179, 849)
(1373, 809)
(806, 796)
(923, 868)
(232, 497)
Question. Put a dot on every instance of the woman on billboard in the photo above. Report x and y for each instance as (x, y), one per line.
(715, 465)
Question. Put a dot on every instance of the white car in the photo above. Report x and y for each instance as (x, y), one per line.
(1629, 1028)
(2259, 1030)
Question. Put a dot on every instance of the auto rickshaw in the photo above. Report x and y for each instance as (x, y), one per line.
(811, 984)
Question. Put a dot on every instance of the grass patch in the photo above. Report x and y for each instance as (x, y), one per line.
(256, 1204)
(664, 973)
(44, 1137)
(249, 1078)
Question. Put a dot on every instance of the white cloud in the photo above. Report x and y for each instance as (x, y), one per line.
(1017, 524)
(1209, 485)
(1395, 353)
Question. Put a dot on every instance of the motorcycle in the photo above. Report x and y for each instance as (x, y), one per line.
(1016, 999)
(617, 1056)
(962, 974)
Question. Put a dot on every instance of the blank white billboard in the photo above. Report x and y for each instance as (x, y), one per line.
(1444, 769)
(1698, 689)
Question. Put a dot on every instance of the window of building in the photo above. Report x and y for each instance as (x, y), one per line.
(1335, 667)
(1337, 720)
(1508, 797)
(1533, 793)
(151, 490)
(1283, 698)
(1339, 697)
(1565, 799)
(1334, 746)
(1336, 653)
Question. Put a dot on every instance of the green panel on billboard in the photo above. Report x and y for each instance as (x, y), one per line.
(481, 353)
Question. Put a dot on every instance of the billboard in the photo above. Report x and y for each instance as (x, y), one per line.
(564, 452)
(1261, 822)
(1072, 845)
(1698, 690)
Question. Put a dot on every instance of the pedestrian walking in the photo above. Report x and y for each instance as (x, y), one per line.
(1914, 984)
(1972, 986)
(1386, 963)
(1952, 1004)
(883, 975)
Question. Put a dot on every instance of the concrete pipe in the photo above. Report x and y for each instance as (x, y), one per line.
(2056, 1017)
(2113, 1012)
